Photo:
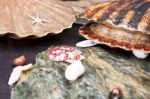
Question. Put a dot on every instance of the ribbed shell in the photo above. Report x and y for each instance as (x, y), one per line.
(80, 5)
(132, 15)
(16, 17)
(124, 24)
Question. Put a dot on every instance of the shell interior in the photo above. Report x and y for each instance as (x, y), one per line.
(37, 18)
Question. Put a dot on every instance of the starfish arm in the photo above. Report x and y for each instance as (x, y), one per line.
(37, 15)
(45, 20)
(42, 23)
(33, 18)
(34, 22)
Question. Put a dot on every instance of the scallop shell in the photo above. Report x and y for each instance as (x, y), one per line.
(65, 53)
(124, 24)
(37, 18)
(80, 5)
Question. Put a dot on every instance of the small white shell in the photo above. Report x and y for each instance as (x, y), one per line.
(74, 71)
(140, 54)
(86, 43)
(16, 73)
(116, 97)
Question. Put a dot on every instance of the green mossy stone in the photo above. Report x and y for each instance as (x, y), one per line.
(104, 70)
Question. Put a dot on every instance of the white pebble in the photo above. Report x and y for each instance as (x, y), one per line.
(140, 54)
(74, 71)
(16, 73)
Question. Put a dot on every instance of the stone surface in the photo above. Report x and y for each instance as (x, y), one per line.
(104, 71)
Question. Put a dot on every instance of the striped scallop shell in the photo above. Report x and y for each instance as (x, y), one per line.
(22, 18)
(80, 5)
(124, 24)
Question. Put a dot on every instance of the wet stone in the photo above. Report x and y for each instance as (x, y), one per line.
(104, 70)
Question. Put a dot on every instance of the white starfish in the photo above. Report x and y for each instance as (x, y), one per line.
(38, 20)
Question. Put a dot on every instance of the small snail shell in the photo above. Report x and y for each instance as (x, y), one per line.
(140, 54)
(19, 61)
(116, 93)
(74, 71)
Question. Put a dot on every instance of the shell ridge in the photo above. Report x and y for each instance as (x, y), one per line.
(139, 12)
(121, 18)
